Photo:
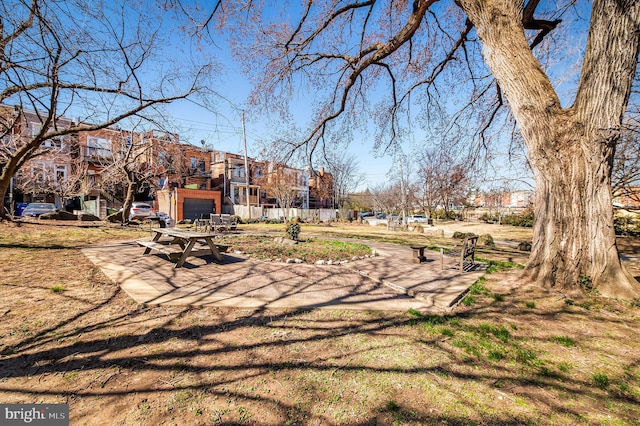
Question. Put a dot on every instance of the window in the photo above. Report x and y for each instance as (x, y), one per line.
(162, 158)
(193, 163)
(238, 171)
(61, 173)
(39, 172)
(53, 143)
(91, 178)
(35, 128)
(99, 147)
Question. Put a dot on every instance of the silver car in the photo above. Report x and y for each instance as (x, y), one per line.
(140, 210)
(417, 218)
(36, 209)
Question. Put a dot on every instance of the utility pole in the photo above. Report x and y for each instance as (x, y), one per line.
(246, 167)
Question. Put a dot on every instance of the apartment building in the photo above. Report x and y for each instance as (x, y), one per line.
(229, 175)
(87, 170)
(46, 177)
(321, 191)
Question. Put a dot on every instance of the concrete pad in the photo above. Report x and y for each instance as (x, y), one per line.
(385, 282)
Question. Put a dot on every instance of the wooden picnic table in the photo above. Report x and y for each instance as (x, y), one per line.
(182, 244)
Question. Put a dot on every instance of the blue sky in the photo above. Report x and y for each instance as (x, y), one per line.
(222, 130)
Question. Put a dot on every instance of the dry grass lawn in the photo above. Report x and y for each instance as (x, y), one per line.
(511, 354)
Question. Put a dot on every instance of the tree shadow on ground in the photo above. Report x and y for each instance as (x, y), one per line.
(526, 357)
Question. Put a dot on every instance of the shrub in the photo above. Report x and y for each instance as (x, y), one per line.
(487, 240)
(462, 235)
(261, 220)
(523, 219)
(488, 218)
(626, 226)
(293, 230)
(524, 246)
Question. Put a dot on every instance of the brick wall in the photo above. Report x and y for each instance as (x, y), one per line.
(172, 201)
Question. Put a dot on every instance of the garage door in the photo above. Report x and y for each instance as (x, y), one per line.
(194, 208)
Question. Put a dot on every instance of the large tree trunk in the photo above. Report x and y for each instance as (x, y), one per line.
(574, 240)
(570, 149)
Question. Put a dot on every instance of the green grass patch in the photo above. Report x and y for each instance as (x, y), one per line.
(392, 406)
(497, 297)
(446, 331)
(500, 332)
(57, 288)
(468, 347)
(479, 288)
(563, 340)
(600, 380)
(496, 355)
(564, 366)
(309, 250)
(499, 265)
(468, 300)
(526, 356)
(432, 320)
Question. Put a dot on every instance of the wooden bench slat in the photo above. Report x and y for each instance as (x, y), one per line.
(161, 247)
(172, 250)
(467, 251)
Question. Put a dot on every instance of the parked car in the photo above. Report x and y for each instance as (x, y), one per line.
(36, 209)
(140, 210)
(381, 216)
(417, 218)
(365, 214)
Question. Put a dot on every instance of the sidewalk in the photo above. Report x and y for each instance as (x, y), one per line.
(388, 281)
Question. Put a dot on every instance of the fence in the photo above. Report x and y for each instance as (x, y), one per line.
(307, 215)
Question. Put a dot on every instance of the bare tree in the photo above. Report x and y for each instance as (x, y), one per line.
(386, 197)
(443, 180)
(281, 183)
(54, 63)
(53, 170)
(344, 169)
(422, 50)
(132, 166)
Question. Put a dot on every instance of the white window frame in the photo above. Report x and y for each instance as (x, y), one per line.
(60, 168)
(100, 147)
(35, 128)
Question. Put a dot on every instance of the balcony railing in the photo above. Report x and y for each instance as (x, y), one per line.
(96, 154)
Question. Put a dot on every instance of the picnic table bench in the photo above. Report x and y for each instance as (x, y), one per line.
(466, 251)
(182, 244)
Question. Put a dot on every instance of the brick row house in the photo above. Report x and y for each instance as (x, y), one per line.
(84, 171)
(47, 176)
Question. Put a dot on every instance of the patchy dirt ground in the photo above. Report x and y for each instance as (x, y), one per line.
(513, 355)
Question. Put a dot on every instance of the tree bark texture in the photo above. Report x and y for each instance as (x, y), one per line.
(570, 149)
